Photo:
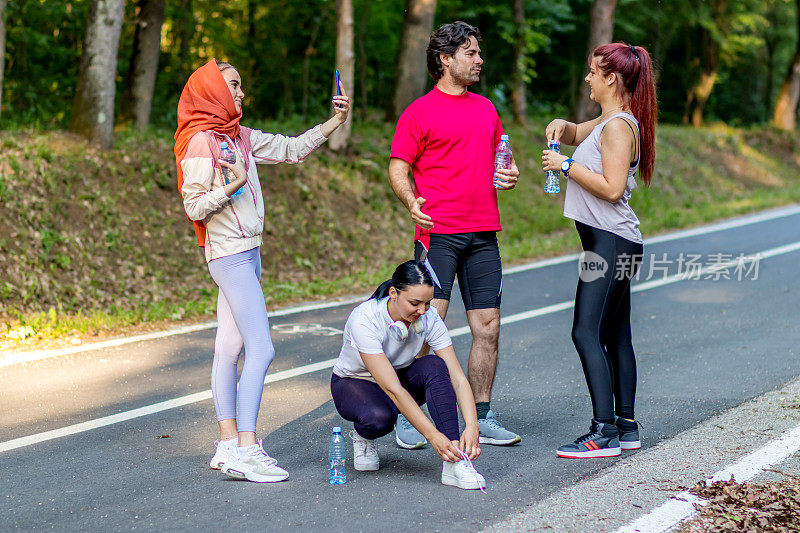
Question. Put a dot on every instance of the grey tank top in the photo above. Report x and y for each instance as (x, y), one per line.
(583, 206)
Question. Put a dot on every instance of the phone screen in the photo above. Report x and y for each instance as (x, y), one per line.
(338, 87)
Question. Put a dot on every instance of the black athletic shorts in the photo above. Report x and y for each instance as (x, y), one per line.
(475, 258)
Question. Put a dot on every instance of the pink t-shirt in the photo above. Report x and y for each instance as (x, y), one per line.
(449, 141)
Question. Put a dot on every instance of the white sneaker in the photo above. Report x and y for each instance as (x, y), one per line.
(253, 464)
(224, 448)
(462, 475)
(365, 453)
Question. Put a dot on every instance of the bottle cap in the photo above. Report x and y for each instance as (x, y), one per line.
(504, 138)
(223, 144)
(337, 429)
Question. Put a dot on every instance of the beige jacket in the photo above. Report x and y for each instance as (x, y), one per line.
(236, 224)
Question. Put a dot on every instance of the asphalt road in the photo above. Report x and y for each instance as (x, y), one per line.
(703, 346)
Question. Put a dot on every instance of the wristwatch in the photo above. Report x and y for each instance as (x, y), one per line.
(566, 165)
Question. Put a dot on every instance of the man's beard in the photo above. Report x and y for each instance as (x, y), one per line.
(470, 78)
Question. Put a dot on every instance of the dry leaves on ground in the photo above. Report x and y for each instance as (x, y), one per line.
(772, 507)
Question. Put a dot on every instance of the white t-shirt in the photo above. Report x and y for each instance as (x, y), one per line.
(367, 331)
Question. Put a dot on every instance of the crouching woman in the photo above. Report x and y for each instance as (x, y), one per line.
(378, 376)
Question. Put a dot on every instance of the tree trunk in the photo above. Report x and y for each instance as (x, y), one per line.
(769, 49)
(345, 62)
(601, 28)
(144, 63)
(2, 48)
(701, 90)
(253, 64)
(412, 70)
(186, 32)
(93, 107)
(362, 58)
(518, 91)
(785, 115)
(311, 49)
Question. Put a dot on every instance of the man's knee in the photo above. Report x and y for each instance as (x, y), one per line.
(486, 328)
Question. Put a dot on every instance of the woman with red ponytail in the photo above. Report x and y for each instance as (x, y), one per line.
(601, 174)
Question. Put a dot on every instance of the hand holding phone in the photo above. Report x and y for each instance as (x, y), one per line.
(340, 100)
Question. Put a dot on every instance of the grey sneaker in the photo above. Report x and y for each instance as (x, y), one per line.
(407, 435)
(491, 432)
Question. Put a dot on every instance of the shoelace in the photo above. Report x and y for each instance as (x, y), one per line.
(589, 436)
(493, 423)
(404, 423)
(471, 469)
(262, 456)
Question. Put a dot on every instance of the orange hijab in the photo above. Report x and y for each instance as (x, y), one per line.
(205, 104)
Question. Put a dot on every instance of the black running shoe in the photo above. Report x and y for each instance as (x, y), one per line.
(628, 434)
(601, 441)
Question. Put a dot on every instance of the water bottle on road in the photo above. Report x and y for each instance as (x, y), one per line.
(551, 185)
(227, 155)
(336, 454)
(502, 156)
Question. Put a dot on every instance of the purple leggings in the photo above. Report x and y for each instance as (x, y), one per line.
(241, 321)
(374, 414)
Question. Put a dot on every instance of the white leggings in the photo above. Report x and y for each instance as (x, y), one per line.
(242, 321)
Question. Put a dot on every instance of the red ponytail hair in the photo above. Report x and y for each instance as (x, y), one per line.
(637, 90)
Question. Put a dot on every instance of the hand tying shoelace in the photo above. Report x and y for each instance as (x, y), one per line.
(471, 468)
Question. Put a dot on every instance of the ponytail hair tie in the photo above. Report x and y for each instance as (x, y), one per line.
(634, 52)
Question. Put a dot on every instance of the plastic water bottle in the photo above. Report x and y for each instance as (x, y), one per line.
(227, 155)
(551, 185)
(502, 157)
(336, 454)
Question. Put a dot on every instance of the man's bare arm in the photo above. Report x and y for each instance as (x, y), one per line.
(401, 185)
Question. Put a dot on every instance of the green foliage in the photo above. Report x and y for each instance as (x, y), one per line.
(43, 44)
(285, 52)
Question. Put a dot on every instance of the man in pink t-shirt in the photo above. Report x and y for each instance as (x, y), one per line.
(447, 139)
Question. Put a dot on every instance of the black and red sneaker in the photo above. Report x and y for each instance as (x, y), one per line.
(601, 441)
(628, 434)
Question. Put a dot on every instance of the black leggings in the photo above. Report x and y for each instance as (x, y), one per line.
(601, 328)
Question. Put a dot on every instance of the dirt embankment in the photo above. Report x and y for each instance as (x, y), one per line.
(85, 229)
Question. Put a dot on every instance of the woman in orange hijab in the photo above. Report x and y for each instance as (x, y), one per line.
(225, 203)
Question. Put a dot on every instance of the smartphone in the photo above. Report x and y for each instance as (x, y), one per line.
(338, 86)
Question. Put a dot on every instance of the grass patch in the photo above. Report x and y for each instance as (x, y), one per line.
(99, 244)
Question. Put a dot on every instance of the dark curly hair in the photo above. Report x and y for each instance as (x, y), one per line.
(446, 40)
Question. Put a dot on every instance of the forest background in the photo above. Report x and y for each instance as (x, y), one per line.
(94, 240)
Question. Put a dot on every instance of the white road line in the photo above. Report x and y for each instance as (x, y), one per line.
(25, 357)
(149, 409)
(314, 367)
(682, 505)
(738, 222)
(639, 287)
